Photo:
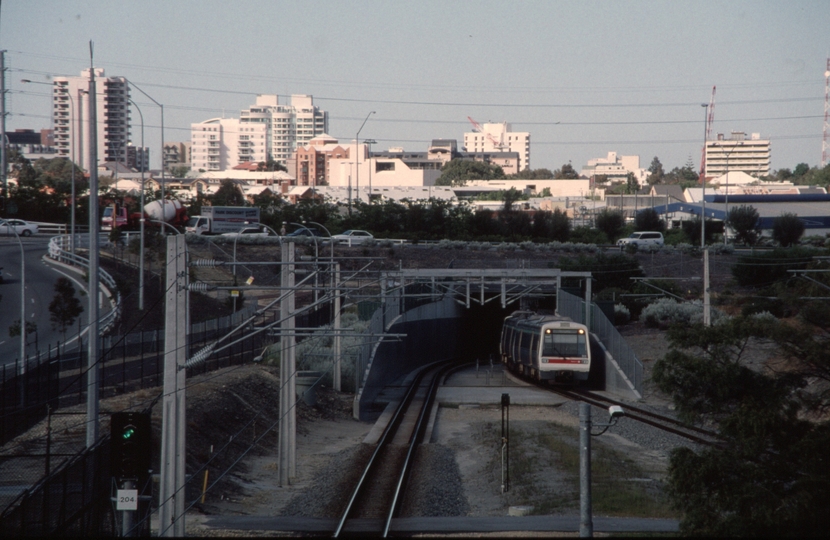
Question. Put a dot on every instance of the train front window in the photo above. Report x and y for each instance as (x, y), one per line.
(569, 343)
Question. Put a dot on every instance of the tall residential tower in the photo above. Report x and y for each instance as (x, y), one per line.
(70, 115)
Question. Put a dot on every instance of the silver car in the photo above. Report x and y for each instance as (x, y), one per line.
(352, 237)
(642, 239)
(12, 226)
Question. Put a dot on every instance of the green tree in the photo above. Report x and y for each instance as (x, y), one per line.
(532, 174)
(509, 197)
(744, 221)
(631, 184)
(648, 219)
(228, 194)
(65, 307)
(271, 165)
(768, 476)
(457, 171)
(691, 229)
(787, 229)
(656, 172)
(611, 222)
(567, 172)
(179, 171)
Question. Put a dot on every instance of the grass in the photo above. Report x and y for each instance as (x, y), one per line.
(541, 449)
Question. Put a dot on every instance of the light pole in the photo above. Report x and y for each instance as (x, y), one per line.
(116, 148)
(726, 197)
(141, 221)
(703, 180)
(357, 156)
(162, 142)
(72, 121)
(369, 143)
(349, 194)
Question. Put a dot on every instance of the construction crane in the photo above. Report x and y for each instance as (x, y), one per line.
(478, 129)
(710, 119)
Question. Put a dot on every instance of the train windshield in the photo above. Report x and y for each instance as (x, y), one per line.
(564, 343)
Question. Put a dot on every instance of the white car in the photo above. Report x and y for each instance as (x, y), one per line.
(12, 226)
(352, 237)
(248, 232)
(642, 239)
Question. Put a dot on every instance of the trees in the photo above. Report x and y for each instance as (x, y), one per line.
(648, 219)
(611, 222)
(769, 475)
(657, 172)
(228, 194)
(744, 221)
(65, 308)
(532, 174)
(567, 172)
(787, 229)
(457, 171)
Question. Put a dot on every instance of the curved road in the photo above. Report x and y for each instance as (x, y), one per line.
(40, 290)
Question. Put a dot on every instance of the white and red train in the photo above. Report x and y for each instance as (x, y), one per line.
(546, 347)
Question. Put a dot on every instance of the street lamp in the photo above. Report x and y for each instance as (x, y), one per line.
(356, 156)
(72, 121)
(703, 180)
(369, 143)
(726, 198)
(162, 142)
(141, 220)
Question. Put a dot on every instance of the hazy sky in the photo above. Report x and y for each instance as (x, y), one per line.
(583, 77)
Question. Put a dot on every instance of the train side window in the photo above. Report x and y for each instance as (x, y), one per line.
(534, 344)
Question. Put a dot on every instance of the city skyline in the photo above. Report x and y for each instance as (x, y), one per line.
(583, 79)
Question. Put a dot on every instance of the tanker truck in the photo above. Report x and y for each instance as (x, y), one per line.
(172, 212)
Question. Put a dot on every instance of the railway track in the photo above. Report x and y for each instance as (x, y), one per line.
(659, 421)
(378, 493)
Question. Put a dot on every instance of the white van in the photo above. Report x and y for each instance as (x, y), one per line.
(642, 239)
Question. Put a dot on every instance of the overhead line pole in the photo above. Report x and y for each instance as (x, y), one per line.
(93, 367)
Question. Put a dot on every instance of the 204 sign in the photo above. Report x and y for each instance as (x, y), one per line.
(127, 499)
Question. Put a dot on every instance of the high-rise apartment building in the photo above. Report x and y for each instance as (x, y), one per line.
(499, 138)
(265, 131)
(70, 116)
(219, 144)
(287, 126)
(176, 154)
(737, 153)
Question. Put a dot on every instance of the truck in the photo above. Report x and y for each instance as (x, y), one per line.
(222, 219)
(169, 211)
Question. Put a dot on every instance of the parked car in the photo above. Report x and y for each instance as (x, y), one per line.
(642, 239)
(304, 231)
(11, 226)
(248, 232)
(352, 237)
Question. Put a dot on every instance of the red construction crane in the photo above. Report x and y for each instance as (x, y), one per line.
(710, 119)
(477, 128)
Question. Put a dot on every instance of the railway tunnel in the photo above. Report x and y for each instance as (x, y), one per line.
(446, 325)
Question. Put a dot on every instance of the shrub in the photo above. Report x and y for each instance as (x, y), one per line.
(621, 314)
(668, 312)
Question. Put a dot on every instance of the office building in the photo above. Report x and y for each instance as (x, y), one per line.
(499, 137)
(738, 154)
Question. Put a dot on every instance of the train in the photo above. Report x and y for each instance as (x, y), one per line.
(546, 347)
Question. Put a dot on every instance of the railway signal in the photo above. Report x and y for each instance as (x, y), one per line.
(131, 445)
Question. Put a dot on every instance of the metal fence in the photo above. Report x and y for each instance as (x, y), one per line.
(573, 306)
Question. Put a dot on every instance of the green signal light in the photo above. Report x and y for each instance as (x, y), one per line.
(128, 433)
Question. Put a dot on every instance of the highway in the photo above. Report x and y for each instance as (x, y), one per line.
(40, 290)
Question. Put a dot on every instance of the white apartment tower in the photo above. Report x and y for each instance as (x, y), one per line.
(738, 153)
(500, 138)
(287, 126)
(70, 116)
(219, 144)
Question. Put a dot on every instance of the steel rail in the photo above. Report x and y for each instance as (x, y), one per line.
(385, 439)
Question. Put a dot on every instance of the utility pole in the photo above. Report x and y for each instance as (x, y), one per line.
(288, 395)
(93, 368)
(172, 474)
(337, 344)
(3, 157)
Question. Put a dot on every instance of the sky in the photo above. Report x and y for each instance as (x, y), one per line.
(584, 78)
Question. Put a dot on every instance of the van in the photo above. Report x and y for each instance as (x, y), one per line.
(642, 239)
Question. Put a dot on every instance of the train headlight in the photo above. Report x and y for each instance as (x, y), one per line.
(581, 331)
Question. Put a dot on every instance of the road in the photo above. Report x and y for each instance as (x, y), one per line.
(40, 285)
